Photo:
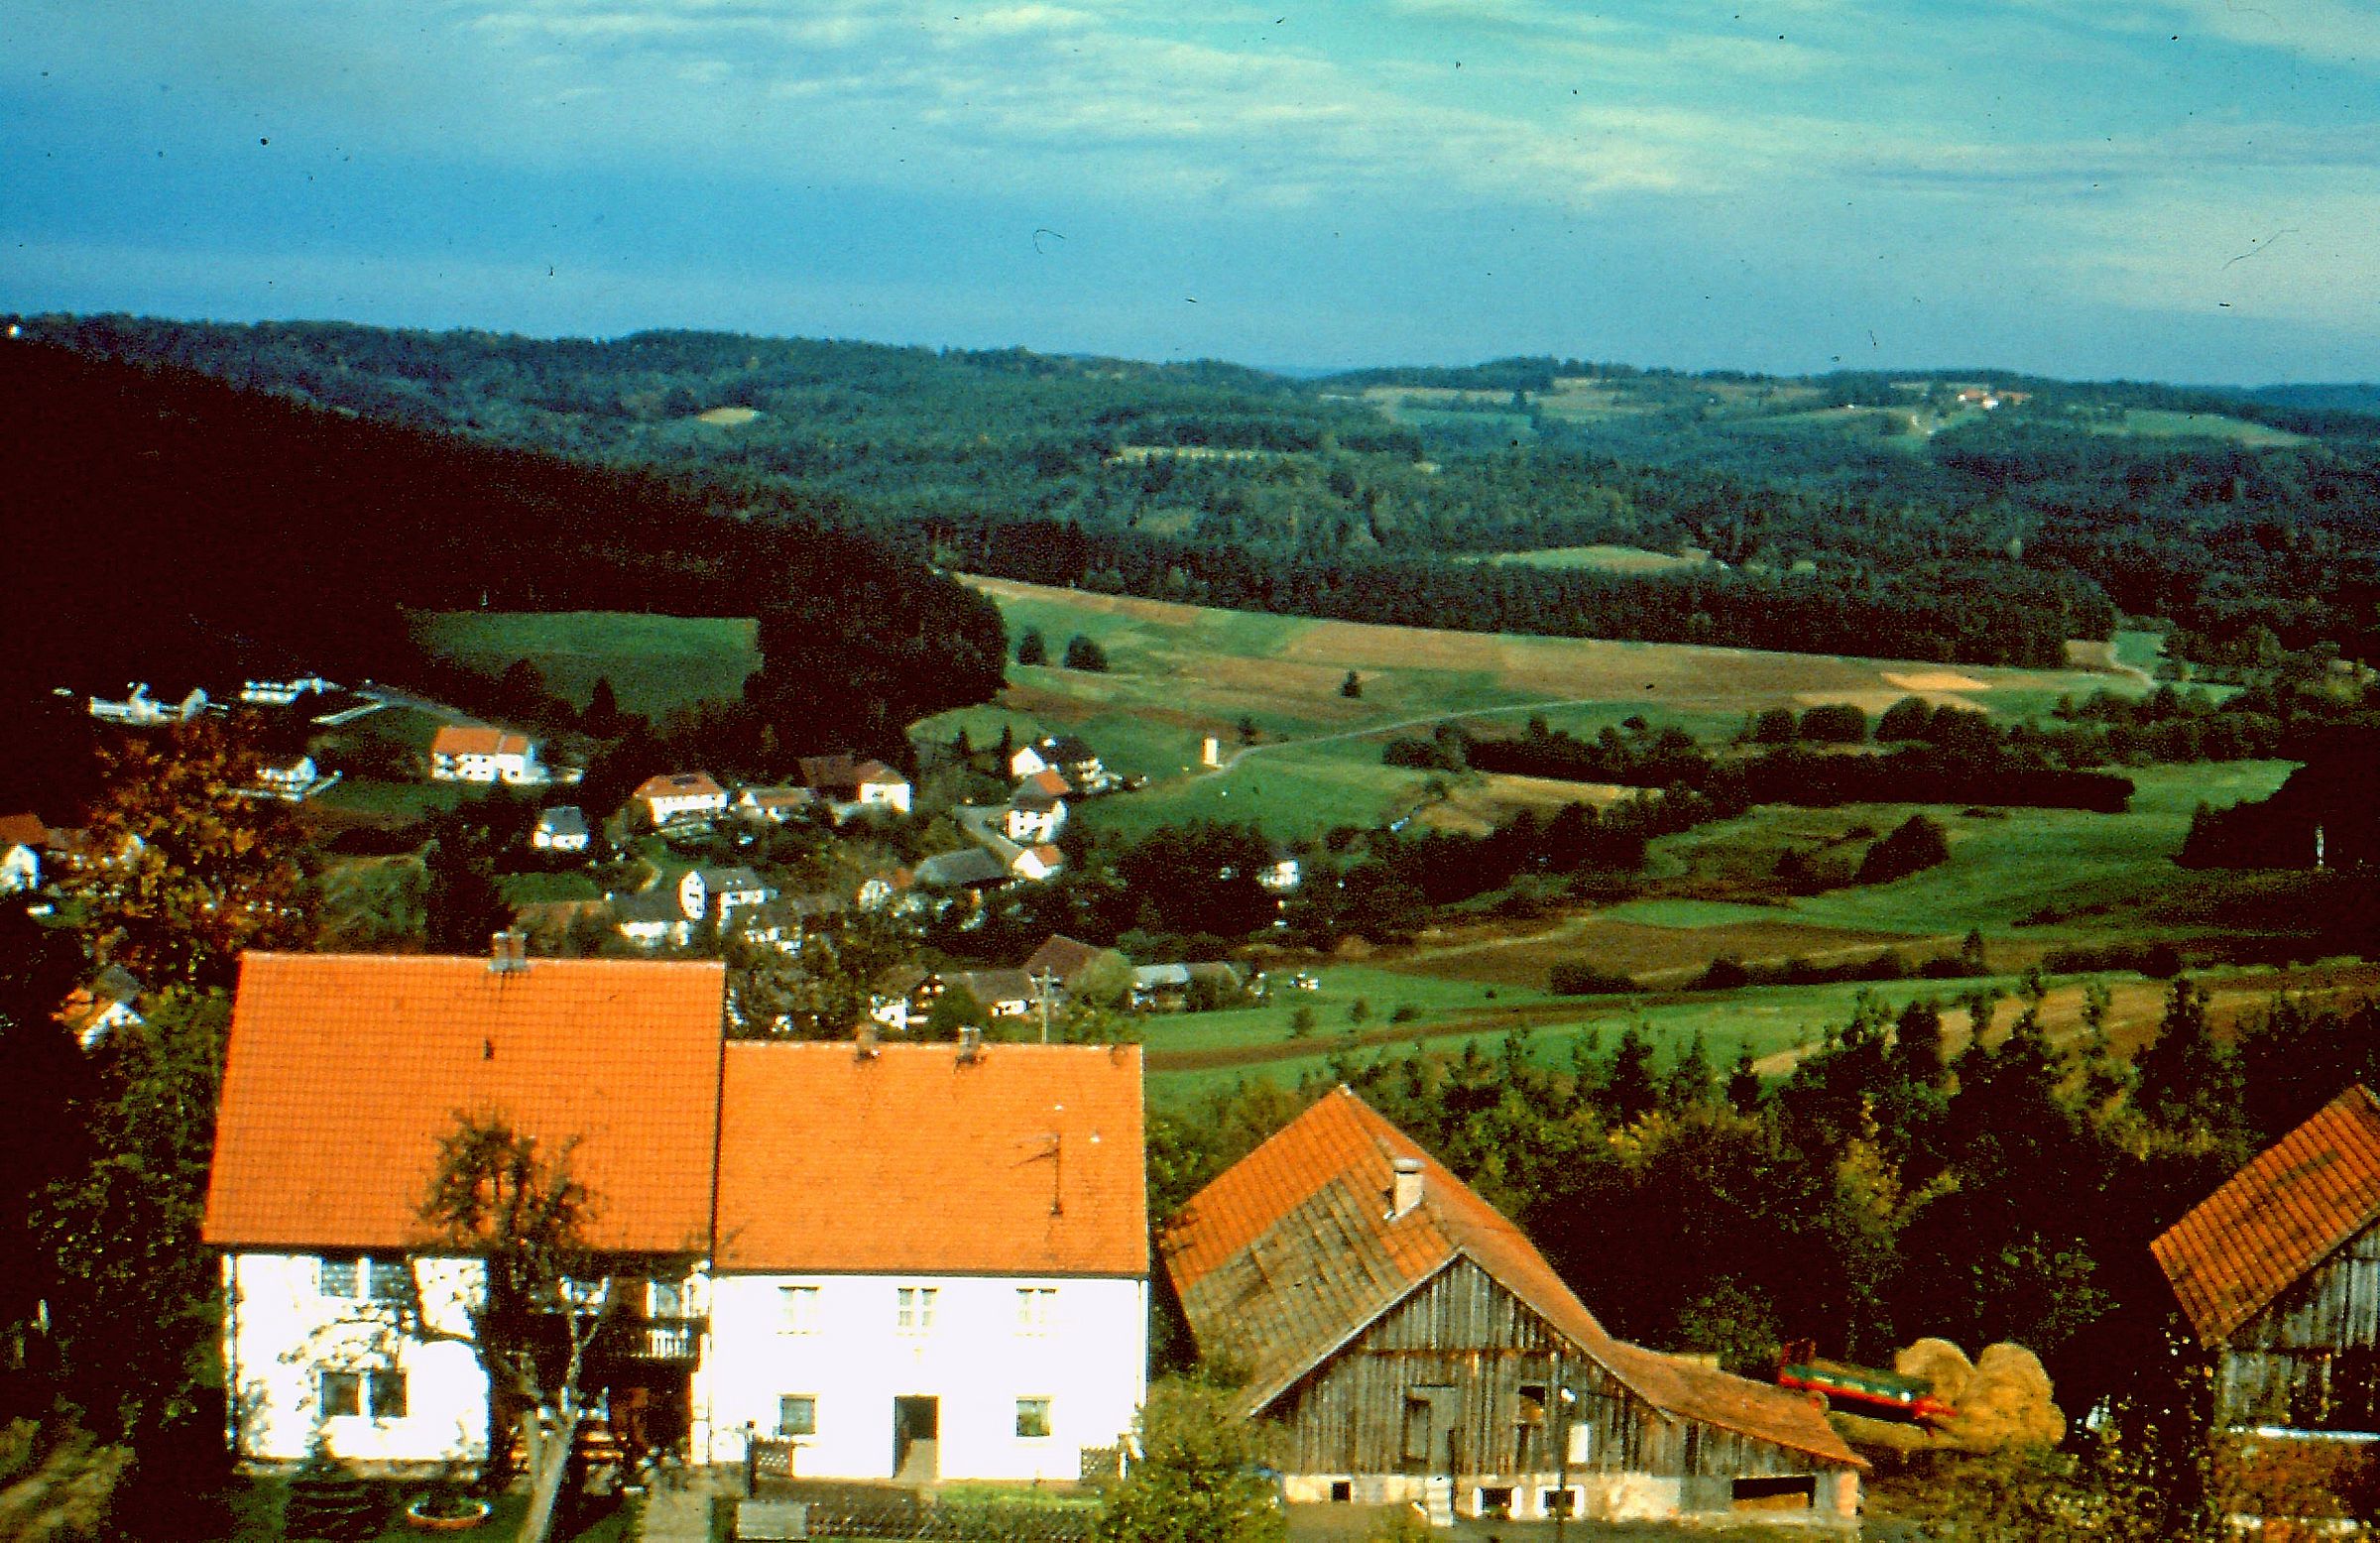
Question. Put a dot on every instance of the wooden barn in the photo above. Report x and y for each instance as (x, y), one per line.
(1412, 1344)
(2280, 1271)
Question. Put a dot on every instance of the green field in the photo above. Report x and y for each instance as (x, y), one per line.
(1179, 674)
(1609, 559)
(2158, 424)
(653, 662)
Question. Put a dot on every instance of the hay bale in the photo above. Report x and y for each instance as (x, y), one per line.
(2006, 1404)
(1941, 1364)
(1894, 1438)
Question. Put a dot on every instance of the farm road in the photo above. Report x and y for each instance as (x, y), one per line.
(1246, 751)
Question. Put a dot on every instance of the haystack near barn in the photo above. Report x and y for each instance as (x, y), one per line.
(1412, 1344)
(2279, 1270)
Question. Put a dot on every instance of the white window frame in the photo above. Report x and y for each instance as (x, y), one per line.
(808, 1399)
(1042, 1409)
(369, 1277)
(913, 1309)
(1036, 1309)
(798, 1309)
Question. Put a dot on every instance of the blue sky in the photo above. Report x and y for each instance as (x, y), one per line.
(2181, 190)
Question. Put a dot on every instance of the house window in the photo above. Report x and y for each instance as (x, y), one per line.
(1032, 1418)
(378, 1392)
(914, 1309)
(1036, 1306)
(797, 1414)
(798, 1309)
(354, 1277)
(339, 1393)
(665, 1299)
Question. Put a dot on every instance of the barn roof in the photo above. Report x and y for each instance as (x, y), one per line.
(2277, 1218)
(1007, 1159)
(473, 738)
(1295, 1251)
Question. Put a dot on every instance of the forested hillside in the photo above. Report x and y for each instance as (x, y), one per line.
(171, 528)
(1965, 516)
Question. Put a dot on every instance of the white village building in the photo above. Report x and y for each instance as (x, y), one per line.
(475, 753)
(968, 1300)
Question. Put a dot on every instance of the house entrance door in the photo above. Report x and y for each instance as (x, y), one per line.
(916, 1440)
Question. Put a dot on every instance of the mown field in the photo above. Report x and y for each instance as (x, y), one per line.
(1179, 674)
(653, 662)
(1604, 559)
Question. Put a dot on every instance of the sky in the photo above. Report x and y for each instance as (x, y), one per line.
(2171, 189)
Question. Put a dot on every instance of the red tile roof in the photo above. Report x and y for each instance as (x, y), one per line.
(1047, 781)
(680, 784)
(344, 1070)
(2277, 1218)
(1063, 957)
(1024, 1161)
(457, 739)
(23, 830)
(1292, 1251)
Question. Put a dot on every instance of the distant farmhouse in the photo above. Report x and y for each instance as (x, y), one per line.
(680, 795)
(473, 753)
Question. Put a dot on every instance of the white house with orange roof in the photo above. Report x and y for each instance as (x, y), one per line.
(680, 795)
(476, 752)
(972, 1304)
(978, 1307)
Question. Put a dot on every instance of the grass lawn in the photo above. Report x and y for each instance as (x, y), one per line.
(2160, 423)
(547, 889)
(401, 801)
(1609, 560)
(655, 662)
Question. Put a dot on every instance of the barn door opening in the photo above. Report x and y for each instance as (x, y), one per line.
(916, 1440)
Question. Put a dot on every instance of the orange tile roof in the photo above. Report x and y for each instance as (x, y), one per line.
(678, 785)
(1026, 1160)
(344, 1070)
(1048, 781)
(2277, 1218)
(23, 830)
(1292, 1251)
(456, 738)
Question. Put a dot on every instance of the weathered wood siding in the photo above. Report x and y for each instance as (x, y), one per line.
(2311, 1360)
(1452, 1359)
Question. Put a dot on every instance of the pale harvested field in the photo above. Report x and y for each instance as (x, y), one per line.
(1935, 680)
(728, 418)
(1479, 802)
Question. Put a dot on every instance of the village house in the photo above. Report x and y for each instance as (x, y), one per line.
(1037, 863)
(292, 780)
(1066, 961)
(141, 710)
(1036, 811)
(1172, 987)
(998, 1332)
(282, 693)
(107, 1001)
(969, 868)
(563, 828)
(680, 795)
(851, 787)
(773, 805)
(1065, 754)
(475, 753)
(1411, 1344)
(2279, 1272)
(1002, 994)
(651, 918)
(23, 840)
(719, 893)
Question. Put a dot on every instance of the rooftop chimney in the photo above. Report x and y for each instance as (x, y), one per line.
(508, 951)
(866, 1039)
(971, 1043)
(1406, 1191)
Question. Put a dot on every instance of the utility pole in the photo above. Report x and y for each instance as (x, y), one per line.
(1562, 1402)
(1043, 981)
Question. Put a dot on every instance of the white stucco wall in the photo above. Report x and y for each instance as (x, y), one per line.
(1091, 1362)
(280, 1331)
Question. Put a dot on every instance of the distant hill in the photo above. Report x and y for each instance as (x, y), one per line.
(1977, 516)
(175, 529)
(2346, 397)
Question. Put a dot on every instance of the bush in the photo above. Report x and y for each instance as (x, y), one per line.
(1586, 980)
(1918, 844)
(1083, 654)
(1031, 649)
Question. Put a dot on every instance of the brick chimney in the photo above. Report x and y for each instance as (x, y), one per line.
(1405, 1187)
(508, 951)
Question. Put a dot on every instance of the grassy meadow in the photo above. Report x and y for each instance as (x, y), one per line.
(1179, 674)
(653, 662)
